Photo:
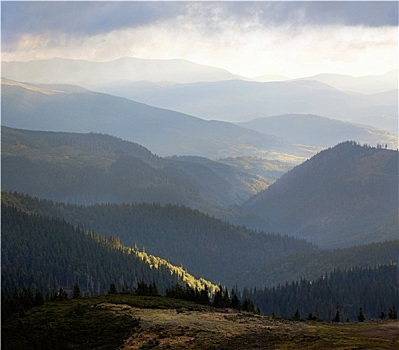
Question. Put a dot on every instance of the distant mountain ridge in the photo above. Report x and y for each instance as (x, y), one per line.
(368, 84)
(320, 131)
(164, 132)
(239, 101)
(70, 71)
(342, 196)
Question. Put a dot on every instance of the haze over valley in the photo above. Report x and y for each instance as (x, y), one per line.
(204, 161)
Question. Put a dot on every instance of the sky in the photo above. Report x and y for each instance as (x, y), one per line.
(292, 39)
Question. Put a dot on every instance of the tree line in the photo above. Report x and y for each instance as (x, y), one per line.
(374, 291)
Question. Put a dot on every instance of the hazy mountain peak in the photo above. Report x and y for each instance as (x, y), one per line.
(368, 84)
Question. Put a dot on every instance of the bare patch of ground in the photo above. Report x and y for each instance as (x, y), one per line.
(228, 329)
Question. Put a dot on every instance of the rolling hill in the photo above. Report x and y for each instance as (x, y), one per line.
(342, 196)
(95, 168)
(164, 132)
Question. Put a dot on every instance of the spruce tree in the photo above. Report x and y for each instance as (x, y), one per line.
(296, 316)
(76, 291)
(112, 289)
(361, 316)
(393, 315)
(336, 317)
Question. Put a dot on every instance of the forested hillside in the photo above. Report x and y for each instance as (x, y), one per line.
(206, 246)
(312, 265)
(230, 181)
(374, 290)
(96, 168)
(49, 253)
(343, 196)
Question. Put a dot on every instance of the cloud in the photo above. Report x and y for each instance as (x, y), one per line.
(96, 17)
(248, 38)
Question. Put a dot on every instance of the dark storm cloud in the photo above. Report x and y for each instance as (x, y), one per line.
(348, 13)
(90, 18)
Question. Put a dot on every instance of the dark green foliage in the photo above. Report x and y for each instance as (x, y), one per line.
(312, 265)
(320, 297)
(48, 253)
(60, 295)
(336, 317)
(190, 294)
(112, 289)
(248, 305)
(221, 298)
(393, 314)
(19, 302)
(146, 290)
(76, 291)
(206, 246)
(296, 316)
(310, 317)
(235, 301)
(361, 317)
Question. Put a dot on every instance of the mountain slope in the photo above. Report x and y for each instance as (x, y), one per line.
(68, 71)
(204, 245)
(311, 266)
(51, 254)
(95, 168)
(164, 132)
(230, 181)
(319, 131)
(342, 196)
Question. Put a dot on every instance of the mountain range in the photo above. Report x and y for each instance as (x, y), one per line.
(368, 84)
(167, 133)
(102, 184)
(322, 132)
(69, 71)
(213, 93)
(164, 132)
(239, 100)
(346, 188)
